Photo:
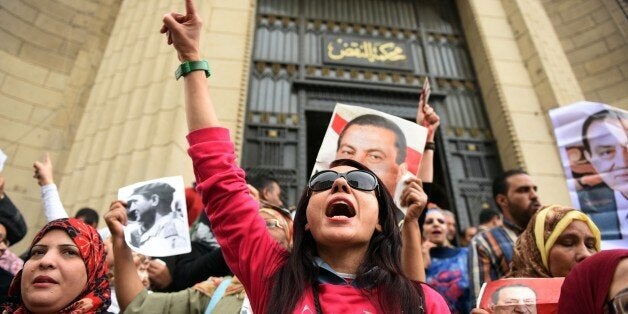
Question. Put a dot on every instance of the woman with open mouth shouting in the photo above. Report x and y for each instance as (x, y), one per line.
(447, 269)
(346, 254)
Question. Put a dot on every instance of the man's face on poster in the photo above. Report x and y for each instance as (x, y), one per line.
(516, 299)
(608, 142)
(374, 147)
(140, 206)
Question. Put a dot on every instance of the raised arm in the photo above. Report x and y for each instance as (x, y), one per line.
(184, 32)
(249, 250)
(53, 208)
(131, 286)
(427, 117)
(411, 257)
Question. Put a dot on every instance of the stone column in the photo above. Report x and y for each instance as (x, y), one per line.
(521, 80)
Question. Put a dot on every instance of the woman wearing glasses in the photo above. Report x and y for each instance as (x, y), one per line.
(346, 254)
(446, 265)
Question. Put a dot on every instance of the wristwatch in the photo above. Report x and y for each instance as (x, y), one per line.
(189, 66)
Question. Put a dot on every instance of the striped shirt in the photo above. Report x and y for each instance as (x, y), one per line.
(490, 253)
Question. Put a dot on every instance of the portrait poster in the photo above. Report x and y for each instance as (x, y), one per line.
(415, 137)
(521, 295)
(157, 217)
(592, 140)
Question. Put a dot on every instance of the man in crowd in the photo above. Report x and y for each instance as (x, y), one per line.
(450, 219)
(467, 235)
(160, 226)
(490, 252)
(268, 189)
(89, 216)
(489, 219)
(605, 142)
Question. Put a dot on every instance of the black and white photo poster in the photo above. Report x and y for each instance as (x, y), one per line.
(157, 217)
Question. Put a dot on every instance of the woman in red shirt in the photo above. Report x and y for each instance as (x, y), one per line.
(346, 254)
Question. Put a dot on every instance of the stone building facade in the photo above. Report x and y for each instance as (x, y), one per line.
(92, 82)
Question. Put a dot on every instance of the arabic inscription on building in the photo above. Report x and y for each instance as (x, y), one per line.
(353, 50)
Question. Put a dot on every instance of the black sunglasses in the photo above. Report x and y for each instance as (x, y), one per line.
(357, 179)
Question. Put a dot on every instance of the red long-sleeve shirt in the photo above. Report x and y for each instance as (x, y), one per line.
(249, 250)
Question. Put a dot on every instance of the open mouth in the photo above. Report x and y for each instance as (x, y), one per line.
(340, 208)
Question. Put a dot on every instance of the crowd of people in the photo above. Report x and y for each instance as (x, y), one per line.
(348, 247)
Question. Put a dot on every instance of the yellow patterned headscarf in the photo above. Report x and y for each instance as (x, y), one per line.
(539, 230)
(532, 249)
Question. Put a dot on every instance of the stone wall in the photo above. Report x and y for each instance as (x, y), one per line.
(519, 84)
(594, 36)
(92, 82)
(50, 51)
(134, 125)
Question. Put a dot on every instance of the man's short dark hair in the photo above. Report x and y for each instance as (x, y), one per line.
(164, 191)
(381, 122)
(495, 295)
(88, 215)
(500, 183)
(487, 215)
(598, 116)
(261, 181)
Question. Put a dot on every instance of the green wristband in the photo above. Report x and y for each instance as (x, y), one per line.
(188, 66)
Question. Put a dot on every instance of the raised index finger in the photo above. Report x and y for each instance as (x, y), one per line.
(189, 7)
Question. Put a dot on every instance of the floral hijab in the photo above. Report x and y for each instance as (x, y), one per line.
(96, 296)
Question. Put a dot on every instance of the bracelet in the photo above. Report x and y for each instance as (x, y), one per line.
(430, 146)
(188, 66)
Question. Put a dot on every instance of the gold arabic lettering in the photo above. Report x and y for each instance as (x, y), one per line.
(373, 52)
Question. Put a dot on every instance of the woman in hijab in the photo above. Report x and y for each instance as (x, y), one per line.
(65, 272)
(556, 239)
(597, 285)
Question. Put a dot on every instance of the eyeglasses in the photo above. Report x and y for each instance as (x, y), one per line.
(430, 221)
(273, 223)
(357, 179)
(618, 304)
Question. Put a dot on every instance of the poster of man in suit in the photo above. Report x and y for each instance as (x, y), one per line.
(592, 140)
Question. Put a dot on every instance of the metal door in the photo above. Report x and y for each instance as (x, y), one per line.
(299, 73)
